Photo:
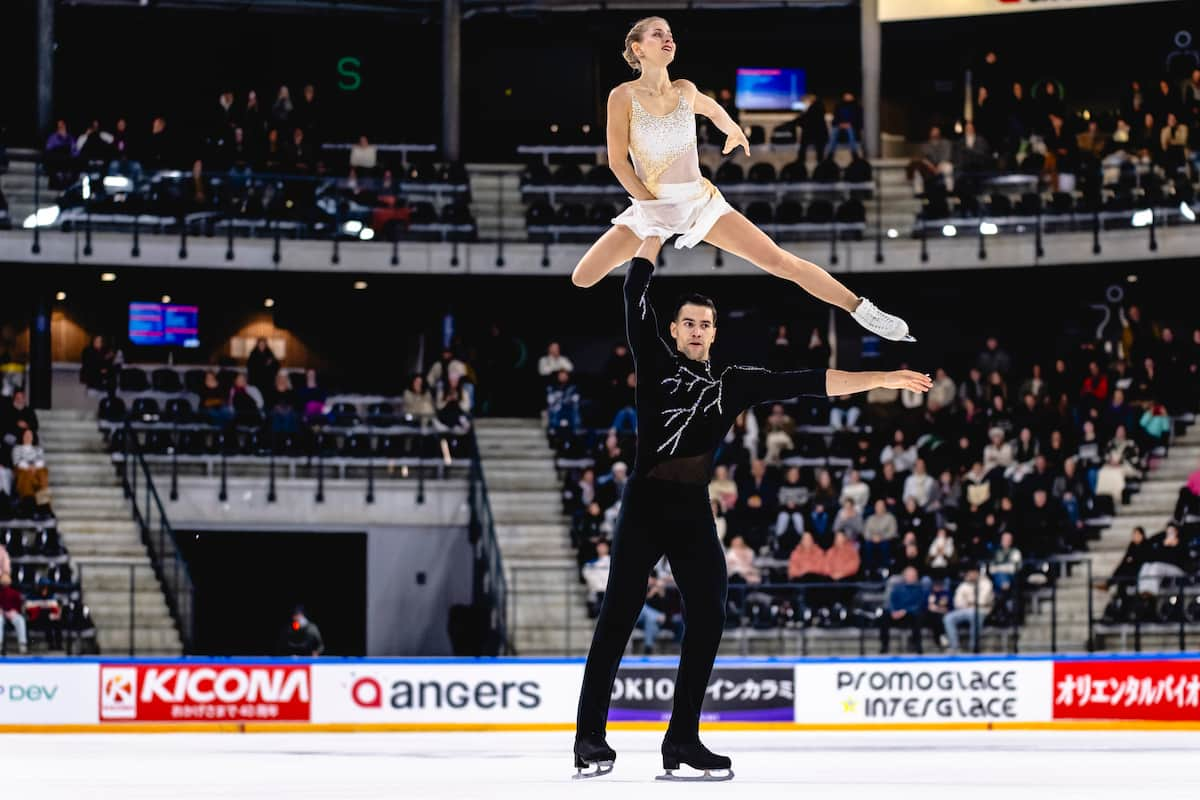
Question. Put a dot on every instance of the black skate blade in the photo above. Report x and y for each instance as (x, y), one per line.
(601, 768)
(706, 777)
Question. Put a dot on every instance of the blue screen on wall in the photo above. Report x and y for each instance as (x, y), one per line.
(164, 324)
(770, 89)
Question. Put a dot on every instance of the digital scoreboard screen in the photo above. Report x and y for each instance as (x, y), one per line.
(165, 324)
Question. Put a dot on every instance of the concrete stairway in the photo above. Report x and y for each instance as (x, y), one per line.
(1150, 508)
(496, 201)
(546, 611)
(97, 527)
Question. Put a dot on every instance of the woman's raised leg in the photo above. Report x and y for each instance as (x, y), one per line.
(610, 251)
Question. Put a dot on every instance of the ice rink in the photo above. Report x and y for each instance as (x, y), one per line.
(1011, 765)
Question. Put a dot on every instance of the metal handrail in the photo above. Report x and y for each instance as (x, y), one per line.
(159, 538)
(490, 586)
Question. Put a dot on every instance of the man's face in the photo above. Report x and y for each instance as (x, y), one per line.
(694, 330)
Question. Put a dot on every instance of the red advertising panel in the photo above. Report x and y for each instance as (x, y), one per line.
(205, 692)
(1133, 689)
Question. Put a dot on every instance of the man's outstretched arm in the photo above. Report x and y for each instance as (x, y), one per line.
(840, 382)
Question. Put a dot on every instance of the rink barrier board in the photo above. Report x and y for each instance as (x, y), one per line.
(556, 727)
(252, 695)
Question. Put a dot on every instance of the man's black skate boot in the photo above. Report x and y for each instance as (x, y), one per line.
(592, 750)
(696, 756)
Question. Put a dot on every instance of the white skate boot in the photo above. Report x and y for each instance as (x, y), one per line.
(881, 323)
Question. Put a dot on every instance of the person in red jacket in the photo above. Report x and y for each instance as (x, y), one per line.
(11, 603)
(1094, 392)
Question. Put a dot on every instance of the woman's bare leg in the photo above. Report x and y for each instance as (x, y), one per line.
(610, 251)
(735, 234)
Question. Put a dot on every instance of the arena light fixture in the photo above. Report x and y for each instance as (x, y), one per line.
(117, 183)
(1131, 278)
(949, 230)
(108, 277)
(366, 234)
(42, 218)
(892, 233)
(988, 228)
(87, 187)
(269, 302)
(1187, 212)
(60, 296)
(360, 285)
(352, 227)
(1142, 217)
(166, 298)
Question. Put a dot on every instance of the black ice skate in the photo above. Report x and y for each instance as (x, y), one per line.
(593, 751)
(696, 756)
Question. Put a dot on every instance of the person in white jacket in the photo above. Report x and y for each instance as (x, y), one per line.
(967, 610)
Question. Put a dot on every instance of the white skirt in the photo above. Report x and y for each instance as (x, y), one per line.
(688, 209)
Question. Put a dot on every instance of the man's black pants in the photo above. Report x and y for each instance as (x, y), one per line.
(659, 517)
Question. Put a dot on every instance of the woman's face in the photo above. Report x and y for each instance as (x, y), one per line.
(27, 437)
(657, 45)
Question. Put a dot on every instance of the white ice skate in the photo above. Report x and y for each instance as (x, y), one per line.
(881, 323)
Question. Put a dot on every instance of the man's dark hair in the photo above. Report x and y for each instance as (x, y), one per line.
(694, 299)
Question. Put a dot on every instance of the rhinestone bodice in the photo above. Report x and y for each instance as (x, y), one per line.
(657, 143)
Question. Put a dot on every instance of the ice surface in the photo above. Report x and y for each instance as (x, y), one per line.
(1012, 765)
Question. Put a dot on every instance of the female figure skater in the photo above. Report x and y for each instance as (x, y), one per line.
(653, 119)
(684, 408)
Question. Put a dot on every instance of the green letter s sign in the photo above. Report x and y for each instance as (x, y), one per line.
(347, 68)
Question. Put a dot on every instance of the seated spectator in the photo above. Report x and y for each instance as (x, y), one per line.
(441, 370)
(976, 486)
(610, 487)
(947, 498)
(972, 157)
(595, 576)
(213, 402)
(580, 492)
(301, 637)
(937, 607)
(97, 365)
(909, 555)
(1005, 564)
(941, 554)
(941, 395)
(905, 608)
(282, 414)
(911, 518)
(849, 521)
(625, 420)
(997, 455)
(31, 478)
(242, 401)
(1189, 498)
(610, 452)
(756, 504)
(1094, 391)
(855, 490)
(844, 412)
(888, 486)
(899, 453)
(312, 397)
(842, 561)
(363, 154)
(562, 403)
(17, 419)
(920, 485)
(1110, 479)
(781, 430)
(1166, 558)
(808, 564)
(739, 560)
(553, 362)
(720, 522)
(722, 488)
(972, 603)
(418, 400)
(454, 404)
(658, 610)
(262, 366)
(587, 532)
(879, 536)
(59, 156)
(618, 366)
(936, 162)
(1043, 527)
(12, 604)
(1137, 552)
(1156, 425)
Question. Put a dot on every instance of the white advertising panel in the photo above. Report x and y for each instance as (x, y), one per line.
(34, 693)
(923, 692)
(899, 10)
(432, 692)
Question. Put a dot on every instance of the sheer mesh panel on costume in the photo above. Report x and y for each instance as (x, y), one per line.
(687, 469)
(663, 148)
